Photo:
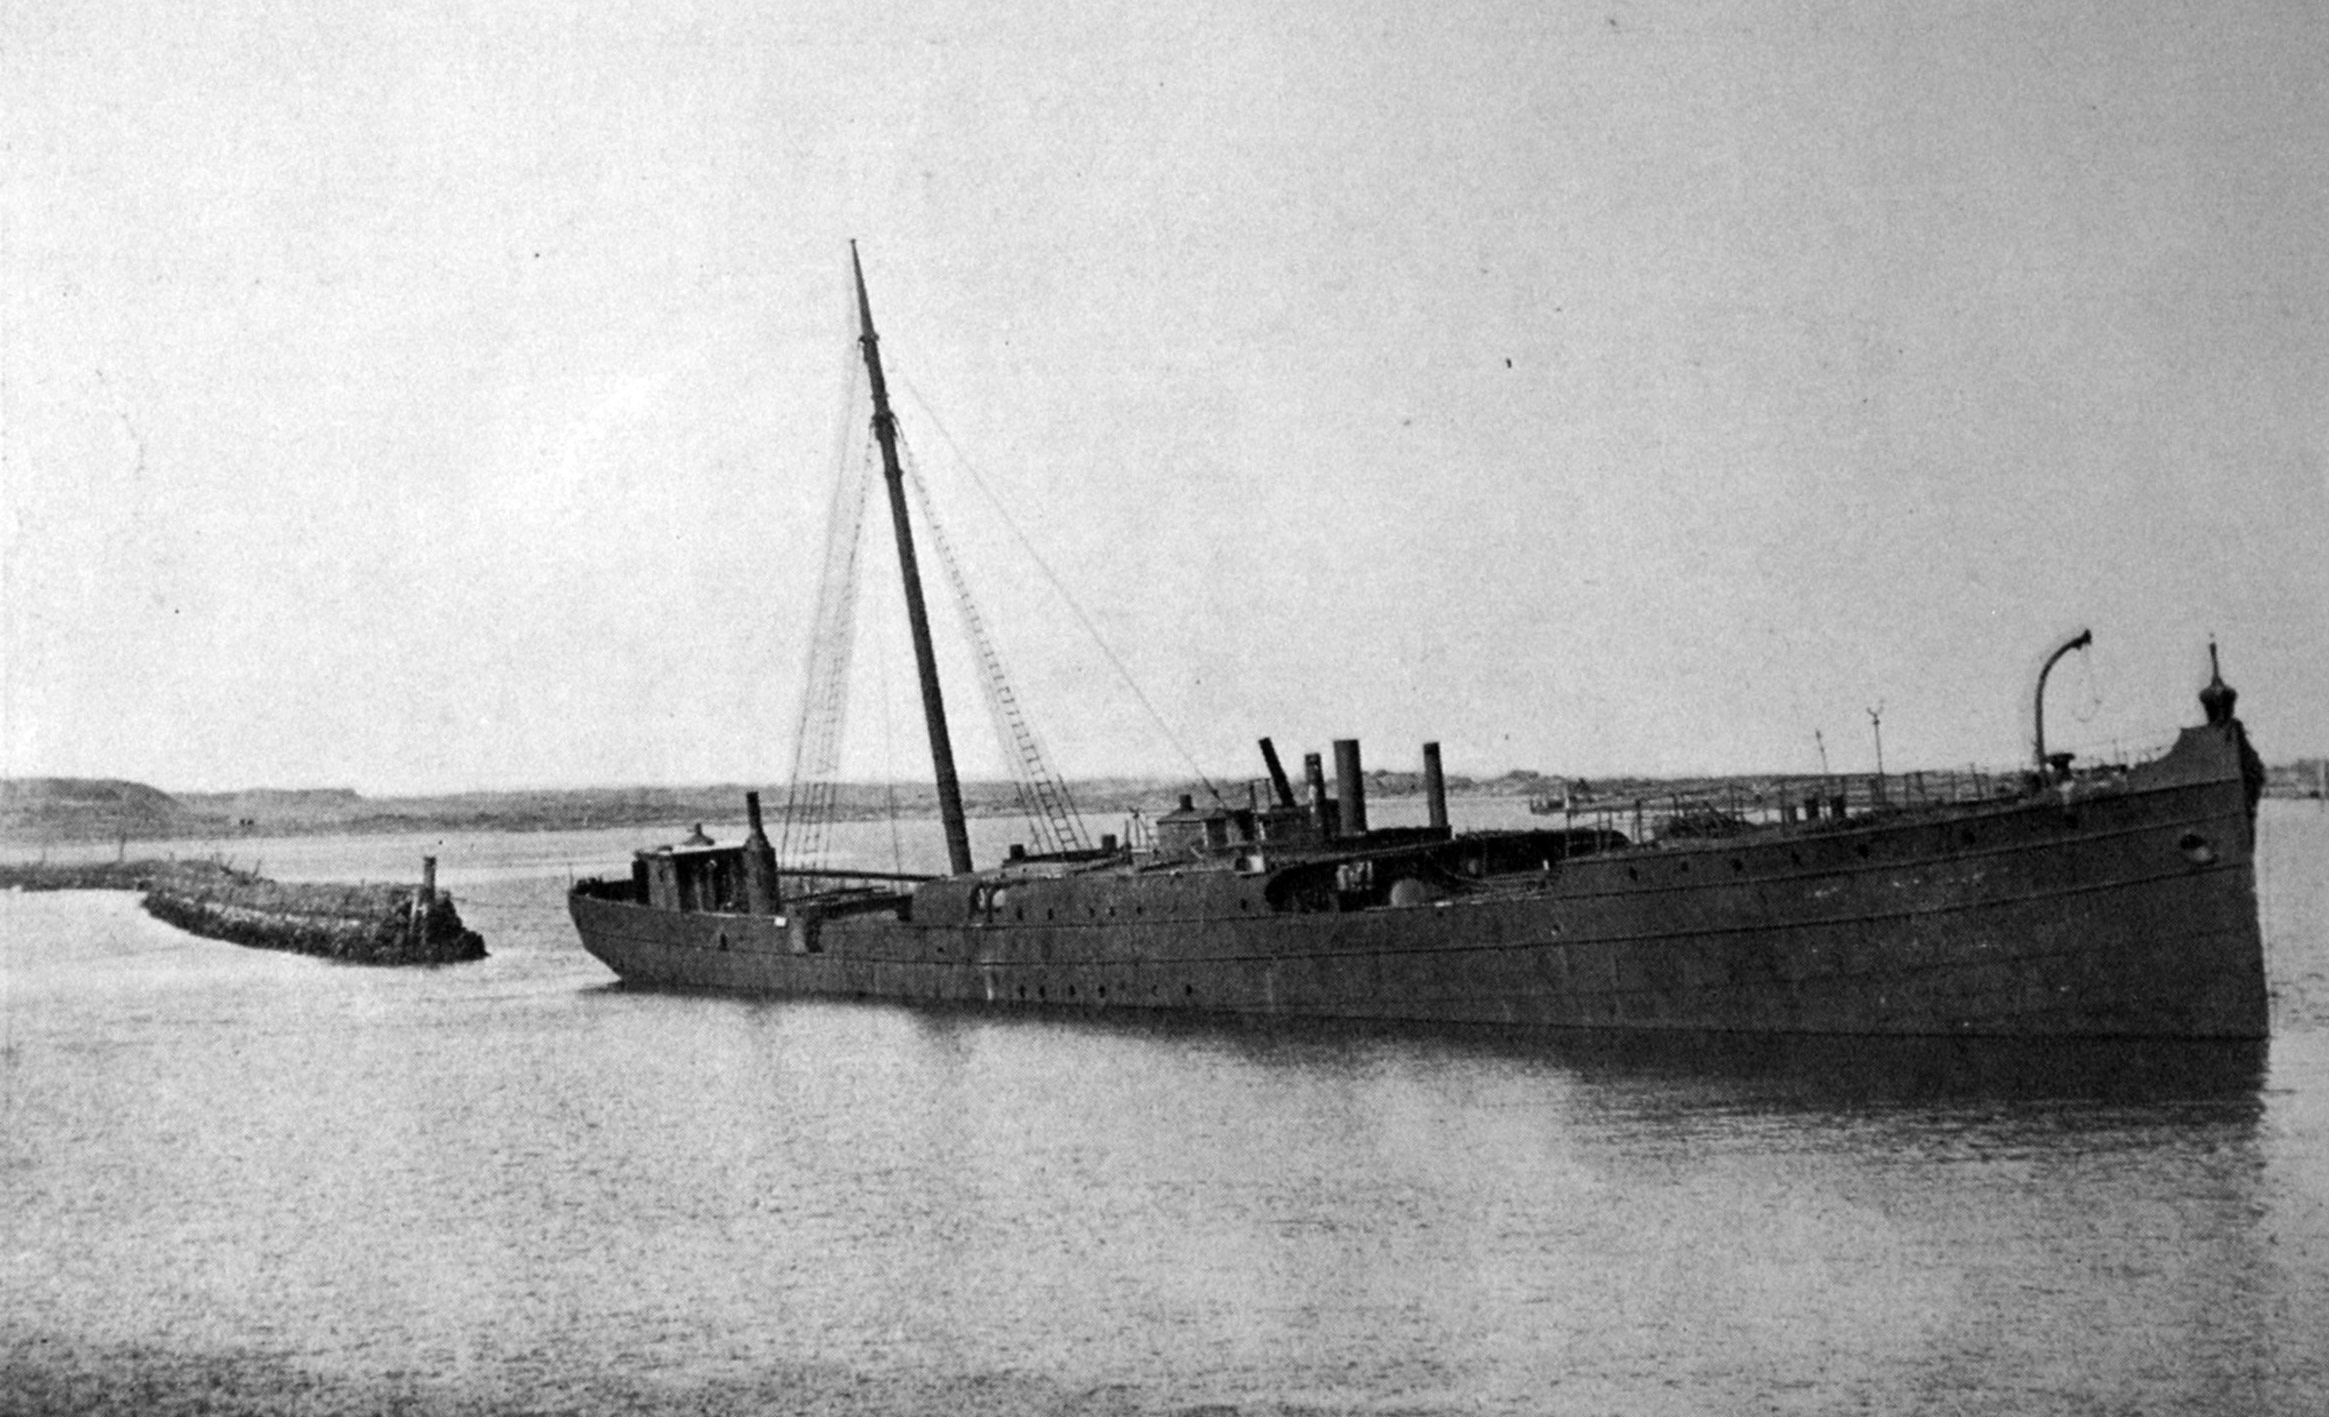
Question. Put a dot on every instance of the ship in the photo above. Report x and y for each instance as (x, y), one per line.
(2058, 900)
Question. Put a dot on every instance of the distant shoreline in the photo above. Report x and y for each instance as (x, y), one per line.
(60, 811)
(85, 810)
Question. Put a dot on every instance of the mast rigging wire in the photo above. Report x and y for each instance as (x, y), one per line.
(1052, 576)
(1043, 795)
(811, 800)
(889, 758)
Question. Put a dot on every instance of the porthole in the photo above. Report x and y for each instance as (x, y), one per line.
(1862, 848)
(1737, 864)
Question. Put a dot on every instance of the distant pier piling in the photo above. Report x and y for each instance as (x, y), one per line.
(424, 899)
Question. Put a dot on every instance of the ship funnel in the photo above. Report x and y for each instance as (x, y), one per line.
(1278, 783)
(1321, 810)
(1350, 788)
(1435, 788)
(761, 896)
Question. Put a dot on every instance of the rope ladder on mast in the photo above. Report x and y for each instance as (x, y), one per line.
(1043, 796)
(813, 798)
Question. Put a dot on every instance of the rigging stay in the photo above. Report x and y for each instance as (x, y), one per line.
(814, 797)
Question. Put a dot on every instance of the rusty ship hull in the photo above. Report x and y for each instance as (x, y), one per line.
(2095, 903)
(2125, 908)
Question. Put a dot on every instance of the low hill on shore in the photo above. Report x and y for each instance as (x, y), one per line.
(45, 810)
(84, 808)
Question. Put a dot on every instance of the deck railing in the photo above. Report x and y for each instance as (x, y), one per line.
(1729, 806)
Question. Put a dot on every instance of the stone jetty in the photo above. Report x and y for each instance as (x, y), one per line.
(360, 924)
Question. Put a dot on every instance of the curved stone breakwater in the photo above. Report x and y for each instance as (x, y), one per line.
(360, 924)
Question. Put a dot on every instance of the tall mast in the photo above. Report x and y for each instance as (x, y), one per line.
(885, 430)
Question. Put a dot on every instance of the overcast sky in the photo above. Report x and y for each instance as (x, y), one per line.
(446, 397)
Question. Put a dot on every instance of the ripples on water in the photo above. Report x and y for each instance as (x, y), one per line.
(241, 1181)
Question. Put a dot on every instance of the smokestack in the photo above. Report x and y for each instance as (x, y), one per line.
(761, 895)
(1350, 787)
(1314, 777)
(1435, 788)
(1278, 783)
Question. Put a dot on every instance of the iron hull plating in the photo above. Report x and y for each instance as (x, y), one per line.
(2128, 912)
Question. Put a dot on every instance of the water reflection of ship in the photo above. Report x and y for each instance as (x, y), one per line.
(1788, 1072)
(1776, 1072)
(2068, 901)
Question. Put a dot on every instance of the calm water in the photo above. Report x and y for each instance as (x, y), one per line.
(240, 1181)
